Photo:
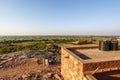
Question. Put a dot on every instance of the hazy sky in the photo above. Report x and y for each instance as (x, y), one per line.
(60, 17)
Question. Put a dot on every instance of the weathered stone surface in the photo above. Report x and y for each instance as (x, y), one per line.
(71, 68)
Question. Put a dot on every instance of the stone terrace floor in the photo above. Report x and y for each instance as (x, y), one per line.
(96, 55)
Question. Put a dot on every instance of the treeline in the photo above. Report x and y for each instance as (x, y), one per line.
(34, 46)
(62, 40)
(48, 43)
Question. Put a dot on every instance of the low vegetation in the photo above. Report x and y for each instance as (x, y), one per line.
(48, 43)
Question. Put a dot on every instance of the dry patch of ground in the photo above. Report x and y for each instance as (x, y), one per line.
(22, 67)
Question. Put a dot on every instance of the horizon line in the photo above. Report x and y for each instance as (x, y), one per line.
(60, 35)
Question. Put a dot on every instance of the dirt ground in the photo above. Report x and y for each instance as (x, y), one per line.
(17, 70)
(30, 66)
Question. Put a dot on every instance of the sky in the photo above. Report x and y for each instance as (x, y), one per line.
(59, 17)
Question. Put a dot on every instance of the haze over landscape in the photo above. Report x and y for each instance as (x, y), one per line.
(59, 17)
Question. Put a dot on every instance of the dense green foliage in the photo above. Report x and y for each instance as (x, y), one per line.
(48, 43)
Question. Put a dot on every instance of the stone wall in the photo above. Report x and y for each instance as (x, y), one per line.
(74, 68)
(101, 66)
(71, 67)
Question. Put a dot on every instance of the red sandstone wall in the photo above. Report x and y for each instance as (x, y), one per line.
(103, 66)
(71, 67)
